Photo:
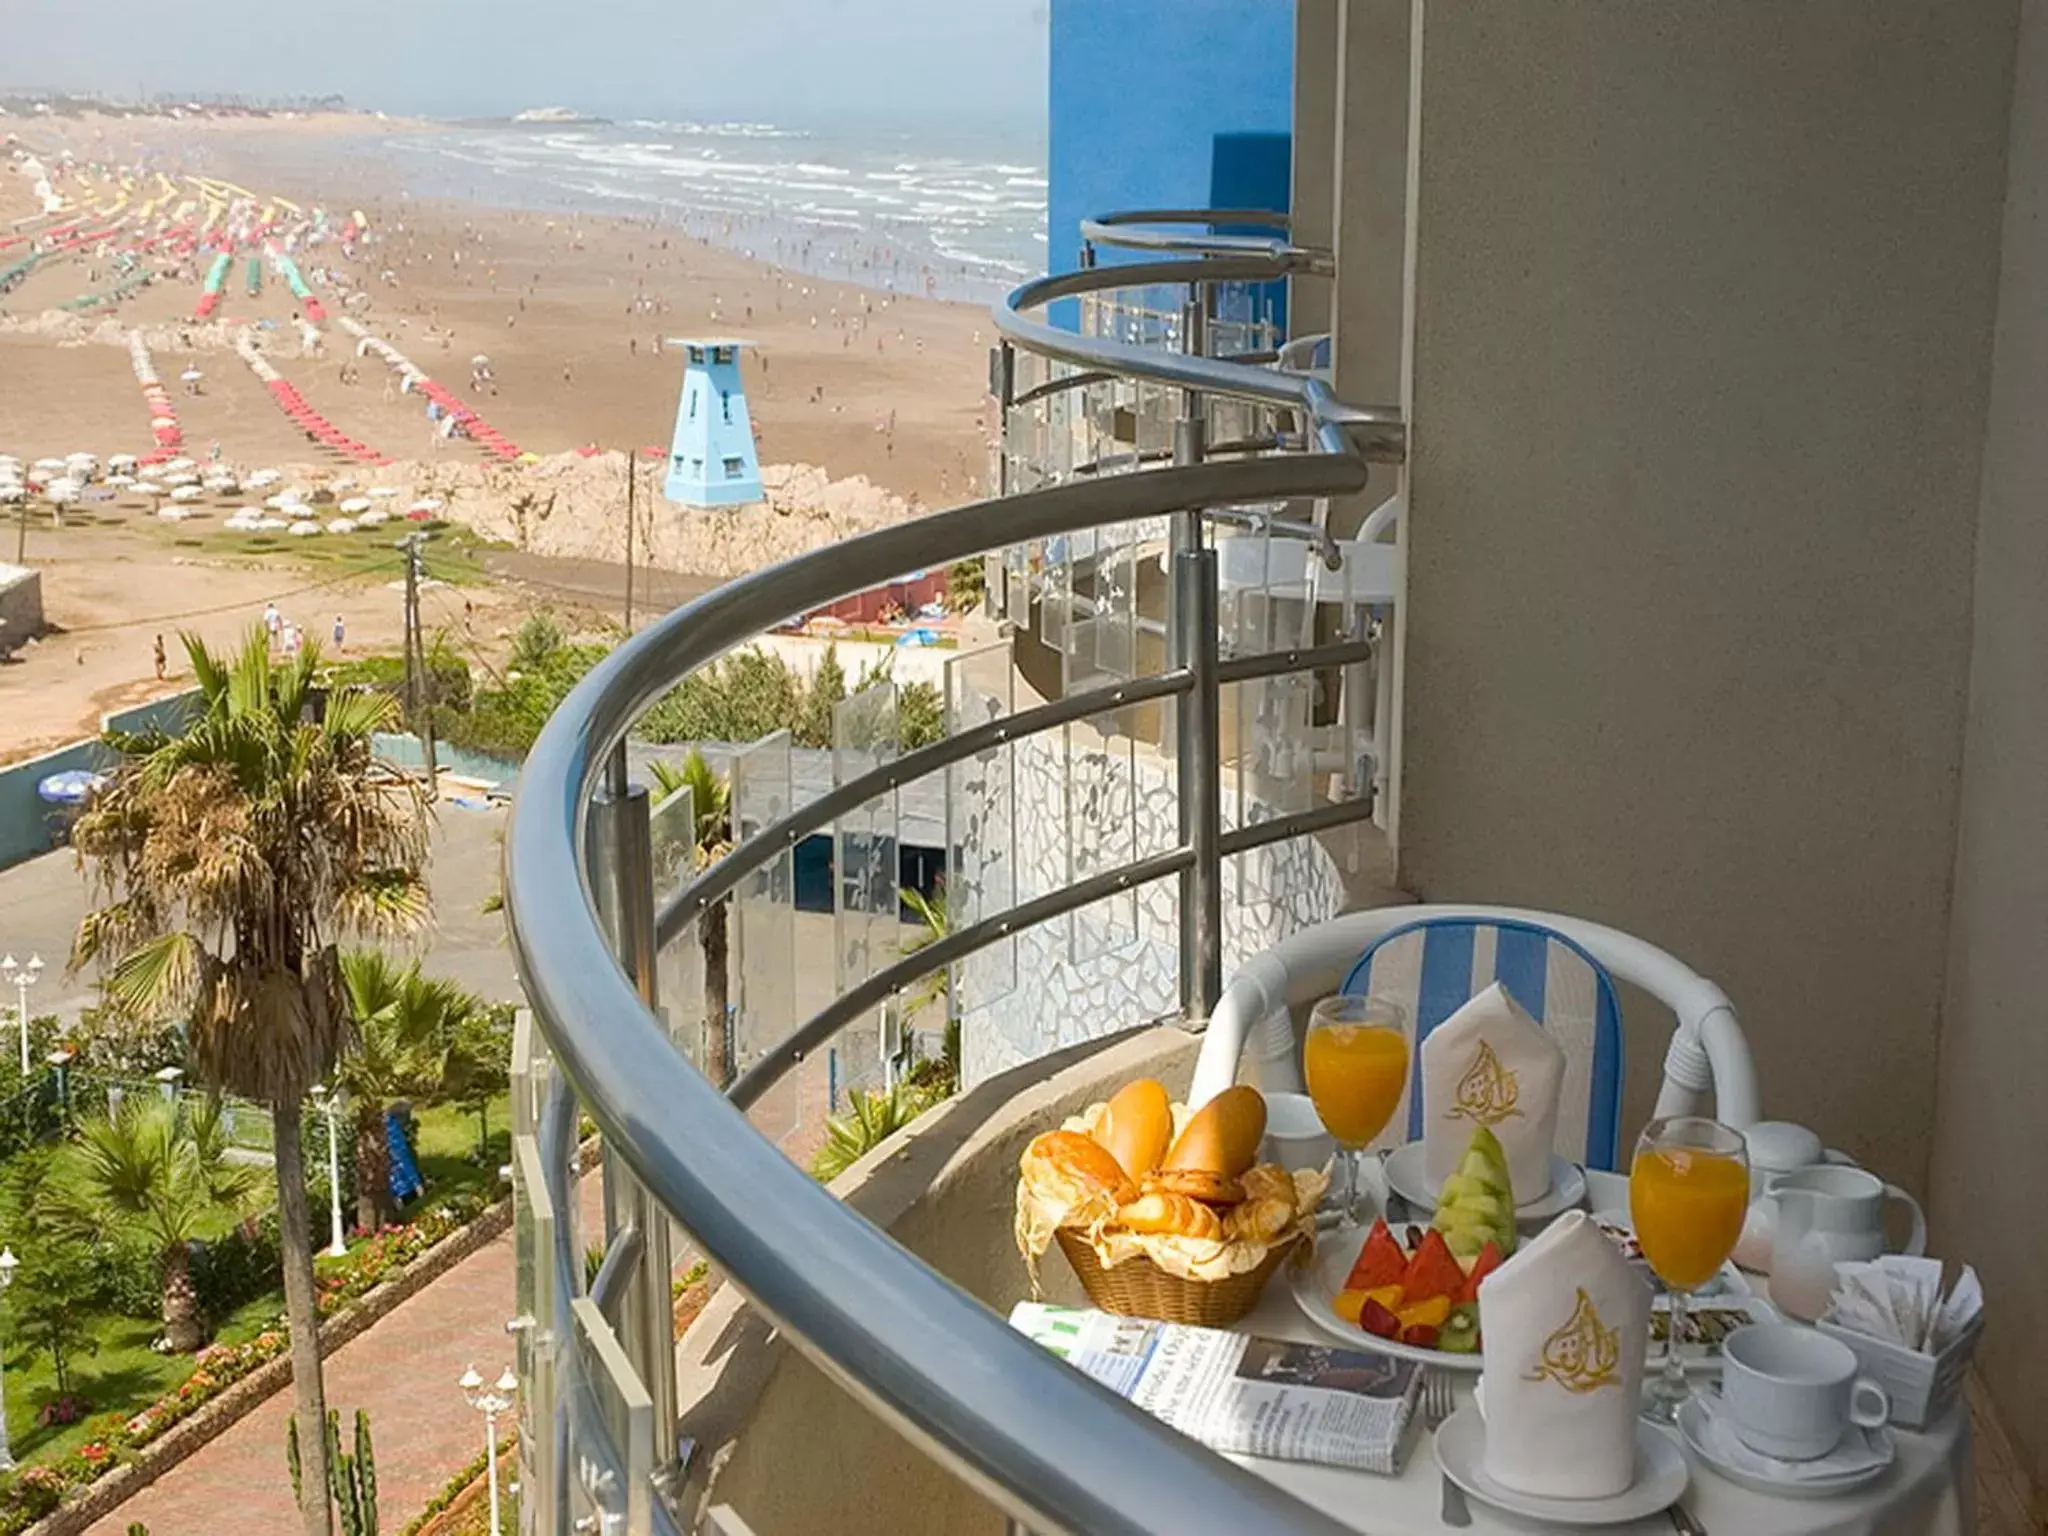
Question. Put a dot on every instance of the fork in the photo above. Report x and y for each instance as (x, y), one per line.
(1439, 1401)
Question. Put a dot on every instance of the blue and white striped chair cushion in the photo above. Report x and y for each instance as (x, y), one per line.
(1433, 967)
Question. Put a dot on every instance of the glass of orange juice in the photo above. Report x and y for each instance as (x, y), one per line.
(1356, 1061)
(1688, 1192)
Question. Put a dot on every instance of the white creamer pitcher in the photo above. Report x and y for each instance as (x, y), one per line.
(1827, 1216)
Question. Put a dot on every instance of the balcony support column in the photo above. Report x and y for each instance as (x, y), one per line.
(622, 863)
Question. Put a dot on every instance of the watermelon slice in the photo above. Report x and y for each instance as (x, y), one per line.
(1488, 1261)
(1434, 1271)
(1380, 1261)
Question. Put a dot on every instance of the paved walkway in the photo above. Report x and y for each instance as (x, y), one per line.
(403, 1370)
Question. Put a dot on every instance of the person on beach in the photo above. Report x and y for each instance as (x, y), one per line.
(160, 660)
(340, 633)
(273, 623)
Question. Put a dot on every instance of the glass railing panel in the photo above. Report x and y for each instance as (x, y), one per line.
(1101, 818)
(981, 824)
(534, 1236)
(679, 972)
(762, 917)
(867, 928)
(614, 1468)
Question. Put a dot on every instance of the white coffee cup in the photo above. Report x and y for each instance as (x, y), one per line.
(1792, 1393)
(1295, 1138)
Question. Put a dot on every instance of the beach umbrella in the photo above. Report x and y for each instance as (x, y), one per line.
(172, 514)
(12, 493)
(263, 478)
(271, 524)
(342, 525)
(186, 493)
(74, 786)
(180, 477)
(356, 504)
(382, 492)
(373, 517)
(302, 529)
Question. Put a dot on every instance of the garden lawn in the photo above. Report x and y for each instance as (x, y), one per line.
(123, 1377)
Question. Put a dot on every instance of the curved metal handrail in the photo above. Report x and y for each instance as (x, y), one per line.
(1375, 431)
(1041, 1440)
(1134, 229)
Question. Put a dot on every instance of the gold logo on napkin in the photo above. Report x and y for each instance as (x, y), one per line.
(1488, 1092)
(1584, 1355)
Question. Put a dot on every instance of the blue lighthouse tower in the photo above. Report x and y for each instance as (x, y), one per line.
(711, 462)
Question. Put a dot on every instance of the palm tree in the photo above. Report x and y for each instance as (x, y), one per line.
(228, 862)
(166, 1172)
(711, 808)
(406, 1026)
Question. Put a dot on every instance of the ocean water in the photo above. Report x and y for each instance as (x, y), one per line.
(951, 213)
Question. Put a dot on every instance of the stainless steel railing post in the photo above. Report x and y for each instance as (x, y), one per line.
(1201, 779)
(622, 844)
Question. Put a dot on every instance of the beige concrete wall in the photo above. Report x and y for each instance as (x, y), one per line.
(1702, 305)
(1991, 1138)
(1312, 199)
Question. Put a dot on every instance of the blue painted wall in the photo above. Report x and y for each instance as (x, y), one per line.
(1165, 103)
(28, 826)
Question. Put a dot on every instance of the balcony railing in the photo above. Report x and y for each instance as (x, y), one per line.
(1232, 691)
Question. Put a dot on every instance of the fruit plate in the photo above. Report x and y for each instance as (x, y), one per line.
(1407, 1178)
(1315, 1286)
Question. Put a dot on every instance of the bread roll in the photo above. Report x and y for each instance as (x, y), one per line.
(1224, 1135)
(1083, 1159)
(1137, 1126)
(1196, 1184)
(1171, 1216)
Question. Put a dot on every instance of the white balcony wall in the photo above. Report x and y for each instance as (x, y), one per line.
(1702, 299)
(1990, 1140)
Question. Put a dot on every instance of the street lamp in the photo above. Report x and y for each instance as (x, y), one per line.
(8, 1264)
(23, 977)
(330, 1104)
(490, 1404)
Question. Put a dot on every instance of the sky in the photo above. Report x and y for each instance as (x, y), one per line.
(881, 61)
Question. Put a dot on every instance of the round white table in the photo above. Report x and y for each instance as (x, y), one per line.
(1929, 1490)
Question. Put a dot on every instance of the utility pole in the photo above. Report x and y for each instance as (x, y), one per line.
(632, 476)
(419, 683)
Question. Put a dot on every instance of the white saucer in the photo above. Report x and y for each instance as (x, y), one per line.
(1406, 1177)
(1692, 1425)
(1660, 1477)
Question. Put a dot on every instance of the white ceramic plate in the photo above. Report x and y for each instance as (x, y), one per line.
(1407, 1178)
(1316, 1286)
(1692, 1418)
(1660, 1477)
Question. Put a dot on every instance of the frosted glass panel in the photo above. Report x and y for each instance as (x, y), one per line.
(867, 932)
(981, 824)
(1101, 825)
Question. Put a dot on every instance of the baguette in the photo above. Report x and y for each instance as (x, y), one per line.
(1171, 1216)
(1084, 1160)
(1137, 1126)
(1223, 1137)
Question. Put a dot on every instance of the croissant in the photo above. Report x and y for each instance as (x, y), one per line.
(1083, 1159)
(1171, 1216)
(1196, 1184)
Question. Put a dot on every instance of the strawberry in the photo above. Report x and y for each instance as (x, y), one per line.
(1377, 1320)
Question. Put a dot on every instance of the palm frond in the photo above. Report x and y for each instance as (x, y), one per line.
(157, 976)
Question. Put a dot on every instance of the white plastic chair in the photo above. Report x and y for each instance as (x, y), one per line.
(1707, 1062)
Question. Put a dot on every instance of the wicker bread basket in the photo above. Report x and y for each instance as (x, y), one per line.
(1139, 1288)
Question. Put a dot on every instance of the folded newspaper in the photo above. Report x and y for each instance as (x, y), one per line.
(1238, 1394)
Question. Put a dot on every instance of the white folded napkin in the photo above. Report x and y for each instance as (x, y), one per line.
(1565, 1324)
(1491, 1064)
(1861, 1450)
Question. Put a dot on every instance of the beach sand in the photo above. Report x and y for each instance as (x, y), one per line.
(844, 384)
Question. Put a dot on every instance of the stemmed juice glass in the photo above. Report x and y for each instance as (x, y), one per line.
(1688, 1191)
(1356, 1062)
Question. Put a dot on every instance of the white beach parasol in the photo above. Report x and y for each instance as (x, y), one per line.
(357, 504)
(172, 514)
(263, 478)
(302, 529)
(186, 493)
(271, 524)
(373, 517)
(146, 488)
(382, 492)
(179, 466)
(342, 525)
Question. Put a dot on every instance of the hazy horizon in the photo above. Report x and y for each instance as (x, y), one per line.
(908, 62)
